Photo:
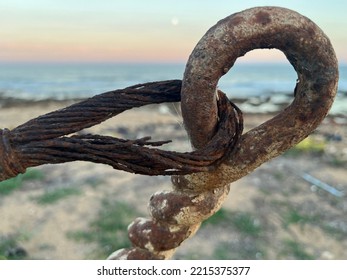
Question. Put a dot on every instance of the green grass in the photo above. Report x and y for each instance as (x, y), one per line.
(309, 145)
(53, 196)
(293, 249)
(220, 217)
(9, 185)
(244, 222)
(109, 229)
(10, 249)
(337, 161)
(293, 216)
(225, 251)
(335, 232)
(278, 175)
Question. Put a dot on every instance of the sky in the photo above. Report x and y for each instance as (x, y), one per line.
(138, 30)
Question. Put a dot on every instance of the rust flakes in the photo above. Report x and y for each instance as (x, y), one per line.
(134, 254)
(231, 21)
(262, 18)
(156, 237)
(236, 20)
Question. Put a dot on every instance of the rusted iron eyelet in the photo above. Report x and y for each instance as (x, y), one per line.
(304, 44)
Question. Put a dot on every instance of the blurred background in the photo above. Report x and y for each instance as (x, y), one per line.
(54, 53)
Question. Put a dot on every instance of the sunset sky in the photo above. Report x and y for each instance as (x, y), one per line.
(137, 30)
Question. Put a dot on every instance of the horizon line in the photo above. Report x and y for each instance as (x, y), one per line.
(144, 62)
(127, 62)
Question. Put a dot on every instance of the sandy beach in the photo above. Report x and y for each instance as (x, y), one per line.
(273, 213)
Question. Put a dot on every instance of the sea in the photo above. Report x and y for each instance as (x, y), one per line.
(259, 87)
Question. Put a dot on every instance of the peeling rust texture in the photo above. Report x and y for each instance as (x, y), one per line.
(134, 254)
(186, 208)
(156, 237)
(262, 17)
(308, 50)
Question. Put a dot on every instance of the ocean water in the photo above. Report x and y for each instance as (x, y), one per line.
(264, 85)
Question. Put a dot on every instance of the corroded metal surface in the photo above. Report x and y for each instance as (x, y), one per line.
(306, 47)
(134, 254)
(45, 139)
(177, 214)
(197, 196)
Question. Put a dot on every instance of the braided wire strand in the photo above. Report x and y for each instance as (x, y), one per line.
(44, 139)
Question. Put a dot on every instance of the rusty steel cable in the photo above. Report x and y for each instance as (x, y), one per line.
(45, 139)
(209, 119)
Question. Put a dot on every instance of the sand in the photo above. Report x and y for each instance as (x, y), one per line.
(291, 217)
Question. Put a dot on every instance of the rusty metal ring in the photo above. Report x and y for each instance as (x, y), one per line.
(306, 47)
(304, 44)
